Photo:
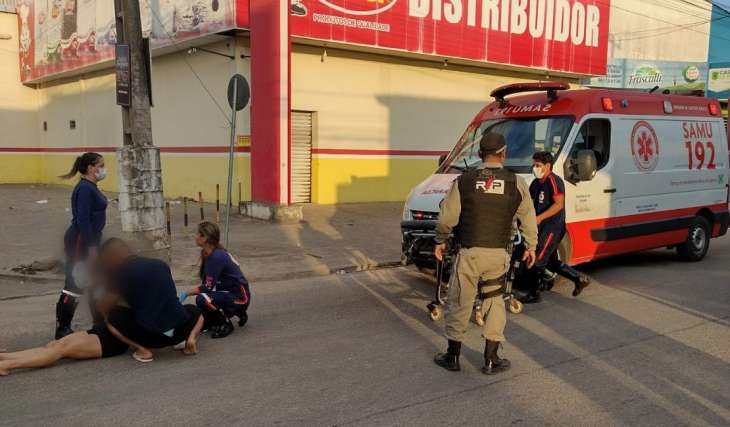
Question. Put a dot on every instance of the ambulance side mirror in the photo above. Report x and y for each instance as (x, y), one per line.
(581, 168)
(586, 165)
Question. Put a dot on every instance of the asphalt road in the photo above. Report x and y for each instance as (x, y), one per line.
(647, 344)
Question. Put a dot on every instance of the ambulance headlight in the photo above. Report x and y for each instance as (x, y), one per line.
(407, 214)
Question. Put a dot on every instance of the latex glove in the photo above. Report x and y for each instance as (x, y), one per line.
(183, 296)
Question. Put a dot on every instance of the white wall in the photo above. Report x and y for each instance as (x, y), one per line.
(366, 101)
(17, 102)
(659, 30)
(183, 113)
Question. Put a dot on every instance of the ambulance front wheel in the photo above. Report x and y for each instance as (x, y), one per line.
(515, 306)
(698, 241)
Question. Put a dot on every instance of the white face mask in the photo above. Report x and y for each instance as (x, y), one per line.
(537, 171)
(101, 174)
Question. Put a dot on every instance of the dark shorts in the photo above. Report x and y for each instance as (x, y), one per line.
(123, 320)
(110, 345)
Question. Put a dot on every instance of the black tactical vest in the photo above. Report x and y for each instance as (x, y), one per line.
(489, 201)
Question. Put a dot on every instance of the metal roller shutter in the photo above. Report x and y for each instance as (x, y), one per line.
(301, 157)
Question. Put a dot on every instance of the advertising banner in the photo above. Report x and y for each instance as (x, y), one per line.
(561, 35)
(718, 82)
(640, 74)
(58, 36)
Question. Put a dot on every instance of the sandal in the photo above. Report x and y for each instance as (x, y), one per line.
(142, 359)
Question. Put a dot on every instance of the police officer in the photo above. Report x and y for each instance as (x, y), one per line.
(480, 208)
(548, 196)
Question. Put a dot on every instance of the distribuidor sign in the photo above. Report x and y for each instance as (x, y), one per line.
(560, 35)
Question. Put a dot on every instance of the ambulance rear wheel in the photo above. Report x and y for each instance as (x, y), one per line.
(698, 241)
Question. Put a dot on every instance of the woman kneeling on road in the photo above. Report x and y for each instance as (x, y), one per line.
(152, 316)
(224, 291)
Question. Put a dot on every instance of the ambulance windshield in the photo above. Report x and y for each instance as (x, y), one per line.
(524, 136)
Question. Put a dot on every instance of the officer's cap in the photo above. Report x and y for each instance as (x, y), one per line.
(492, 143)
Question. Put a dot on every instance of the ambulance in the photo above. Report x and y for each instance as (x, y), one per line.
(641, 170)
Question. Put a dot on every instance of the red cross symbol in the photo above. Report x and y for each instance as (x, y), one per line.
(645, 143)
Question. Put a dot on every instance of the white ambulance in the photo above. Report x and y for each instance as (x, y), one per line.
(641, 170)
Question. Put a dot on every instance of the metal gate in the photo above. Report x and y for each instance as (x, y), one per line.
(301, 156)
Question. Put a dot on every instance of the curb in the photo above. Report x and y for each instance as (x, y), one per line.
(324, 271)
(34, 278)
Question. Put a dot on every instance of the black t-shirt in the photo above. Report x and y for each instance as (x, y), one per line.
(543, 192)
(147, 286)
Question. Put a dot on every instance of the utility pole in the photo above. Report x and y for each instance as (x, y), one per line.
(141, 202)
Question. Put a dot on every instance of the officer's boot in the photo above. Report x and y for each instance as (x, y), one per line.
(580, 280)
(493, 364)
(533, 295)
(223, 327)
(65, 309)
(450, 359)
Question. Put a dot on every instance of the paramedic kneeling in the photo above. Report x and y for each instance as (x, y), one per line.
(224, 291)
(548, 196)
(480, 208)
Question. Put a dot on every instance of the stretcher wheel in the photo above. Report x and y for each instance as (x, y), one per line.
(435, 312)
(515, 306)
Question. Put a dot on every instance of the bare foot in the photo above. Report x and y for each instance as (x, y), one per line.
(191, 347)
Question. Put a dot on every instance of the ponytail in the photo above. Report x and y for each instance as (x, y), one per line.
(212, 235)
(81, 165)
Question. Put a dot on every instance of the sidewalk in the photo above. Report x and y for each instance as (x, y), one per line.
(330, 239)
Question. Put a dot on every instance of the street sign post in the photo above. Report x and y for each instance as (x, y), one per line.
(239, 94)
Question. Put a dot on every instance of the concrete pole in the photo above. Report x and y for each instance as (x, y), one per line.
(141, 202)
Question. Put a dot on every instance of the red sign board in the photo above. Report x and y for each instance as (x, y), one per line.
(560, 35)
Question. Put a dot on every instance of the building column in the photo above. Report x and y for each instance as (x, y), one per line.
(270, 111)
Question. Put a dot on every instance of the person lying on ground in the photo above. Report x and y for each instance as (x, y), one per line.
(154, 318)
(224, 291)
(97, 342)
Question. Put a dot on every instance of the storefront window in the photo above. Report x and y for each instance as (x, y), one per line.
(524, 137)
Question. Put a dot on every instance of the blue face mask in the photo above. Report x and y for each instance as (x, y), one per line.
(101, 174)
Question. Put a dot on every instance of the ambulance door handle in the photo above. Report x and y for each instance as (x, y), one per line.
(609, 190)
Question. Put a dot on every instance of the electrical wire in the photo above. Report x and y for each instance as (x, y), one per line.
(185, 59)
(689, 28)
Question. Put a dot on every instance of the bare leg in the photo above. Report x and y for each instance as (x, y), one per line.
(191, 346)
(140, 351)
(79, 345)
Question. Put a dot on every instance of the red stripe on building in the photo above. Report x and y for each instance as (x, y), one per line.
(192, 149)
(353, 152)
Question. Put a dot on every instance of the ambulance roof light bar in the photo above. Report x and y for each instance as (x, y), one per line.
(551, 88)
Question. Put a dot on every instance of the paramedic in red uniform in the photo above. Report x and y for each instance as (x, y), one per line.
(548, 196)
